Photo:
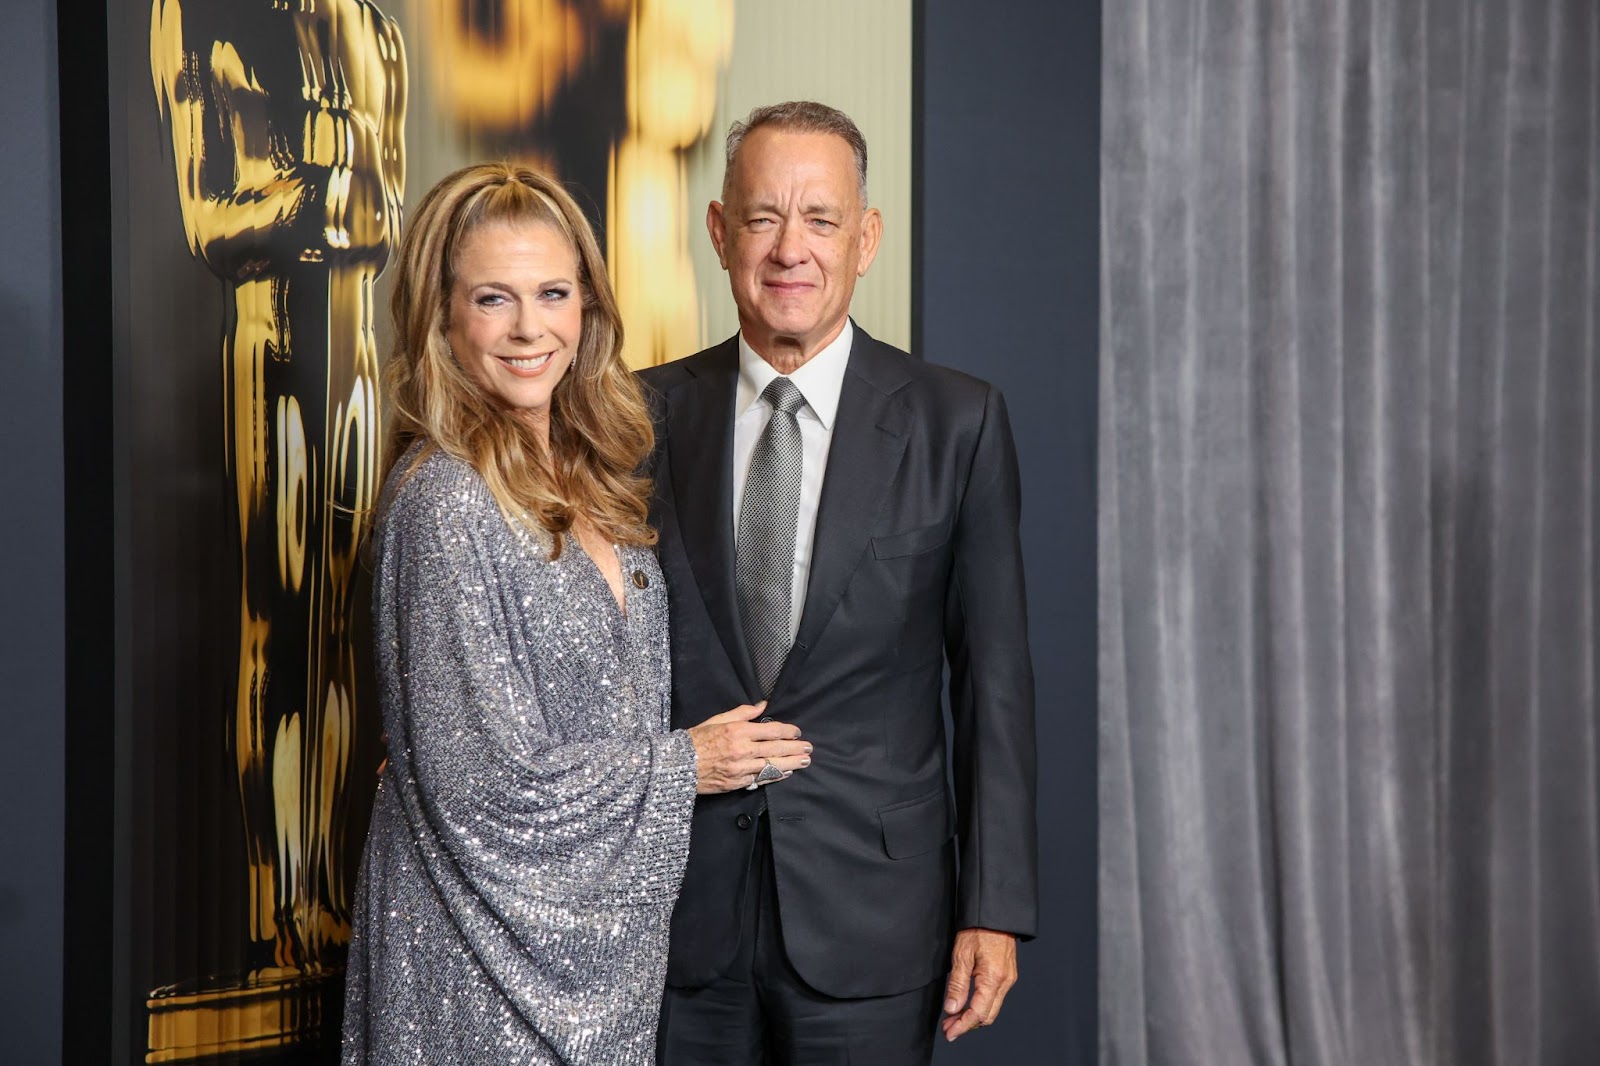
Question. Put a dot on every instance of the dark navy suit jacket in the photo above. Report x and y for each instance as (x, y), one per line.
(916, 565)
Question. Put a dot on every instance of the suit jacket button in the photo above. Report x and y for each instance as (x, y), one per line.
(639, 580)
(744, 821)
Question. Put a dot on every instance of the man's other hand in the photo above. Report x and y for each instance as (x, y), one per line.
(983, 966)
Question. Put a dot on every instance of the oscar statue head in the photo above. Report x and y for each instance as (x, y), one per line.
(286, 120)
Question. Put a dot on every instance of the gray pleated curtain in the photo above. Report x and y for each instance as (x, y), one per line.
(1349, 470)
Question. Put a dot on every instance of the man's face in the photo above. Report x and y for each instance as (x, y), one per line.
(793, 236)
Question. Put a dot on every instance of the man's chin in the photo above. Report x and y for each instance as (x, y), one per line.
(789, 322)
(792, 329)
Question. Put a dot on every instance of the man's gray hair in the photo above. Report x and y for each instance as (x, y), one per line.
(800, 116)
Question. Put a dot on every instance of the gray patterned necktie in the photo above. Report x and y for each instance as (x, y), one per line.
(768, 514)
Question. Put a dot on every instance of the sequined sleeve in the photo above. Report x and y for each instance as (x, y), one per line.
(510, 799)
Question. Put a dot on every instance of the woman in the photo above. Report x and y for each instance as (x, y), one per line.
(532, 823)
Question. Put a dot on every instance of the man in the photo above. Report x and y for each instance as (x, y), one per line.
(838, 520)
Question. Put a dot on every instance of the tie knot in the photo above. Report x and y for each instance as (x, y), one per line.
(783, 396)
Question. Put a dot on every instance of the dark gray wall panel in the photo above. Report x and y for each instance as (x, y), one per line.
(32, 672)
(1008, 241)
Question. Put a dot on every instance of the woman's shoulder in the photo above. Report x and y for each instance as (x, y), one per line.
(429, 487)
(430, 491)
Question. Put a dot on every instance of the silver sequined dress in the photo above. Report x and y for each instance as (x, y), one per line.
(531, 828)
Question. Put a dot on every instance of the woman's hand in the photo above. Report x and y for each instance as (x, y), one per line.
(732, 748)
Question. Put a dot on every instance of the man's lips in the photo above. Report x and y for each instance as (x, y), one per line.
(789, 288)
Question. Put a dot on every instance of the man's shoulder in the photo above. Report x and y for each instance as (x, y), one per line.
(665, 376)
(894, 369)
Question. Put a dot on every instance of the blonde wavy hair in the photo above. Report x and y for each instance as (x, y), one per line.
(600, 431)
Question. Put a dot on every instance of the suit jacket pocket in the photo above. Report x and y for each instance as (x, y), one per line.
(916, 826)
(911, 542)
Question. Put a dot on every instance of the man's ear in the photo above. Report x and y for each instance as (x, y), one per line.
(716, 226)
(871, 235)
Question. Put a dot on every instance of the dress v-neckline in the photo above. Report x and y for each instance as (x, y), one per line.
(618, 593)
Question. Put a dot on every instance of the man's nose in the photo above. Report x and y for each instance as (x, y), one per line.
(790, 247)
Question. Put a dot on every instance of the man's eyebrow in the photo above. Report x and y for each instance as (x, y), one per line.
(820, 209)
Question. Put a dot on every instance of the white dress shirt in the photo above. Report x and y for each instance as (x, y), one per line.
(820, 380)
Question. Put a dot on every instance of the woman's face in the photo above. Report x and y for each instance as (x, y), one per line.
(516, 313)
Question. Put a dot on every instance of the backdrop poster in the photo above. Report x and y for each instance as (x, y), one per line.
(264, 155)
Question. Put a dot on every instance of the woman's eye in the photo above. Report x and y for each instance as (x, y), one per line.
(490, 299)
(556, 294)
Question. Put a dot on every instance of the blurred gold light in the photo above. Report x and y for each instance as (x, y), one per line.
(501, 62)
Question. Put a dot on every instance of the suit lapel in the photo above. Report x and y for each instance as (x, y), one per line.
(700, 431)
(869, 438)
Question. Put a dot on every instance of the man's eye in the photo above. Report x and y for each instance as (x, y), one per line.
(760, 223)
(823, 223)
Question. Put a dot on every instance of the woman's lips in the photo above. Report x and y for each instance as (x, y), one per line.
(529, 366)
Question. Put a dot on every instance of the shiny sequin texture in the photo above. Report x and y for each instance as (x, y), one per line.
(531, 828)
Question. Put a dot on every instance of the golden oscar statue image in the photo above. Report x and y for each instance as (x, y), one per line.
(287, 131)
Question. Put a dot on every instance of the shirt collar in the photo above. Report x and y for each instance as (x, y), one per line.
(820, 379)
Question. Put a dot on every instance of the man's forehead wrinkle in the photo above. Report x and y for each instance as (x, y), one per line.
(765, 202)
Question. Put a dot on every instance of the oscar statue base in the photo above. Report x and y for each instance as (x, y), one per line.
(200, 1020)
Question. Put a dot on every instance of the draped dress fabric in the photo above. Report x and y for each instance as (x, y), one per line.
(531, 828)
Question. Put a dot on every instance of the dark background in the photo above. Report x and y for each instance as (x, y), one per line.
(32, 523)
(1006, 280)
(1007, 259)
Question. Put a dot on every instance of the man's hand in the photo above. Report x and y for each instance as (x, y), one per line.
(984, 965)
